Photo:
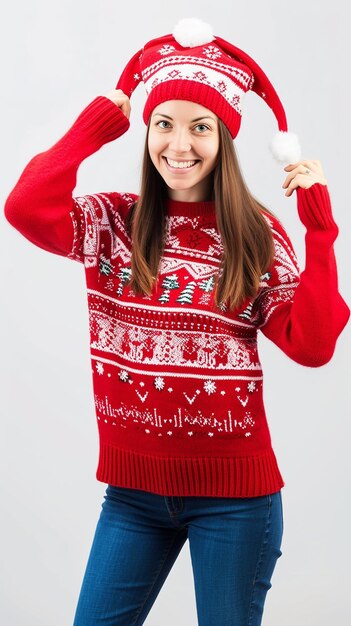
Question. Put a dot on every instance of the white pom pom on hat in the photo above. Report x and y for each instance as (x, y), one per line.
(191, 32)
(285, 147)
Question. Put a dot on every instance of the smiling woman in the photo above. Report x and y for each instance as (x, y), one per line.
(184, 151)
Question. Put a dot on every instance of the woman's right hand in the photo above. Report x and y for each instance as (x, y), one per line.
(120, 99)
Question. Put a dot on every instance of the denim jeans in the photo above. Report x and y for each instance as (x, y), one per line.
(234, 545)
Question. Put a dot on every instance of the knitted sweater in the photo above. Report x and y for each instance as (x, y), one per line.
(178, 384)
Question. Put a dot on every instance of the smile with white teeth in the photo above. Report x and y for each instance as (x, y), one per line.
(180, 164)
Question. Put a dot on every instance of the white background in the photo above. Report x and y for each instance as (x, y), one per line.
(55, 58)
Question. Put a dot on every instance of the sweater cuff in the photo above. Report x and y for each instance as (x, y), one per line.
(101, 121)
(314, 208)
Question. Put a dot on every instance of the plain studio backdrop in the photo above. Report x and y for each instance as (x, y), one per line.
(56, 58)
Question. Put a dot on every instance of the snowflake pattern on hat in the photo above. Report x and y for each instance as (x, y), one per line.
(212, 52)
(166, 49)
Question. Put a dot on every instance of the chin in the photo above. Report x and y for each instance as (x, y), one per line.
(180, 187)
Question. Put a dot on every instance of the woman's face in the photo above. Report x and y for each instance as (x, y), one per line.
(183, 145)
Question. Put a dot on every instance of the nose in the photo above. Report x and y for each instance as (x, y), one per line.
(180, 141)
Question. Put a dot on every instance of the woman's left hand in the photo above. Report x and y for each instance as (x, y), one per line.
(298, 177)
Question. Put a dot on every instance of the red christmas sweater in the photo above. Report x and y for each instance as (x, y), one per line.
(178, 384)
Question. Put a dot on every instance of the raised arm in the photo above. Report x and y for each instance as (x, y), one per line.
(304, 315)
(40, 205)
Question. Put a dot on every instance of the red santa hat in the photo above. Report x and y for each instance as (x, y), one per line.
(193, 64)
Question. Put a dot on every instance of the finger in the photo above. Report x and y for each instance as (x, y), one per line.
(295, 165)
(300, 169)
(301, 180)
(291, 187)
(312, 164)
(292, 174)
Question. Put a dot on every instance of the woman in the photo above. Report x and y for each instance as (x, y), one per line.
(180, 278)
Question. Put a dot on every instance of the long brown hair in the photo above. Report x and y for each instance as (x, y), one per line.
(246, 237)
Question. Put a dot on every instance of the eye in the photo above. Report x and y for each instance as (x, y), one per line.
(202, 126)
(162, 122)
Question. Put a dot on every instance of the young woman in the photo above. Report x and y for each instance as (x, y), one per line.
(180, 278)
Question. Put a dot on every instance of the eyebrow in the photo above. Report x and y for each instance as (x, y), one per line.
(204, 117)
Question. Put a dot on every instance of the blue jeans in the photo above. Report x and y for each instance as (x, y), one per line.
(234, 546)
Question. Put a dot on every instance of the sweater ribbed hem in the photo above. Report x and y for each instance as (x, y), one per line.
(242, 477)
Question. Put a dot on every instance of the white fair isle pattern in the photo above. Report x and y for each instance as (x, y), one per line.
(284, 252)
(232, 93)
(287, 267)
(95, 216)
(223, 403)
(153, 421)
(236, 73)
(196, 270)
(231, 82)
(92, 226)
(154, 346)
(288, 271)
(283, 241)
(274, 297)
(166, 417)
(170, 364)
